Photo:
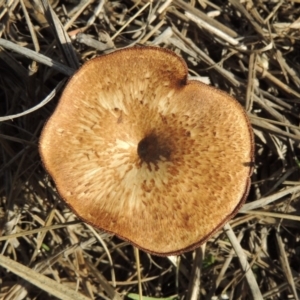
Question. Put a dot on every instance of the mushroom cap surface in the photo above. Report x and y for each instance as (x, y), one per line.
(137, 150)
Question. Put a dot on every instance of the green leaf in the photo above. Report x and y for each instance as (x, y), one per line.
(136, 297)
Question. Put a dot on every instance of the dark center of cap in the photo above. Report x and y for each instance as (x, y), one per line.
(151, 149)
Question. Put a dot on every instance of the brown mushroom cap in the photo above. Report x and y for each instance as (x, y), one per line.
(138, 150)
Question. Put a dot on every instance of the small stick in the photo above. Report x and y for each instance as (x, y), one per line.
(138, 269)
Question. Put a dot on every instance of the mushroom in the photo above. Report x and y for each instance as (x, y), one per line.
(137, 150)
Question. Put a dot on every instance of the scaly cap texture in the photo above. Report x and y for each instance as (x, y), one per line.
(138, 150)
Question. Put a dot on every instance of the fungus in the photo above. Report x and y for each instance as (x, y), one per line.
(137, 150)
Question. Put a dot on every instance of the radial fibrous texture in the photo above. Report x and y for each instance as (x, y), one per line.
(138, 150)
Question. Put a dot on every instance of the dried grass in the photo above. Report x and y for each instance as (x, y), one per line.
(250, 49)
